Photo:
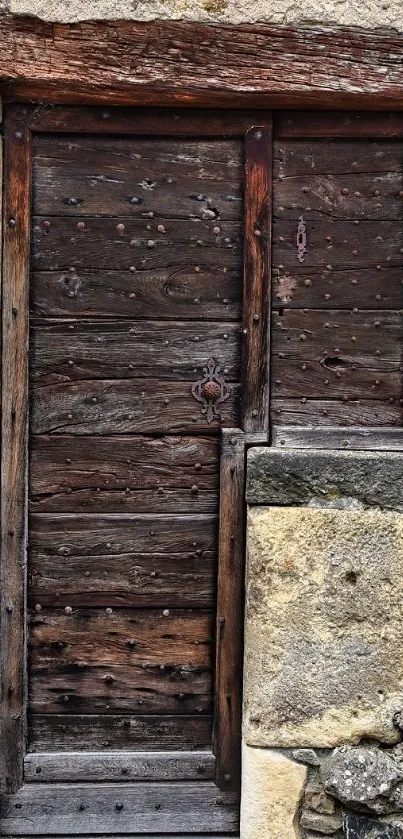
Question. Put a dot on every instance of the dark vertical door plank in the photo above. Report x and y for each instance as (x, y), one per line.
(257, 273)
(14, 450)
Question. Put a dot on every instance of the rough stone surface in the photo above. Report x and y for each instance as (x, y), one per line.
(307, 756)
(366, 13)
(360, 777)
(324, 623)
(360, 827)
(346, 480)
(321, 823)
(272, 787)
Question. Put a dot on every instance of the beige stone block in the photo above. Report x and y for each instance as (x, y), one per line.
(272, 787)
(324, 626)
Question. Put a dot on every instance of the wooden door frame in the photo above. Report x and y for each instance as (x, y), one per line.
(255, 129)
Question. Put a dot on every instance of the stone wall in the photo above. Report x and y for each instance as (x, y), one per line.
(323, 664)
(370, 14)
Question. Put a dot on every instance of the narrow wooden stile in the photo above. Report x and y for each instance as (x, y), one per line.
(257, 274)
(14, 452)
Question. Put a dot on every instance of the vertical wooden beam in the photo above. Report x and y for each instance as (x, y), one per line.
(257, 278)
(230, 606)
(15, 295)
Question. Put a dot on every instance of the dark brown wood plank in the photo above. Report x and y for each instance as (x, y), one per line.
(126, 349)
(53, 809)
(362, 288)
(45, 767)
(314, 379)
(125, 407)
(16, 229)
(321, 412)
(337, 124)
(340, 196)
(194, 292)
(256, 278)
(316, 157)
(53, 732)
(112, 535)
(336, 338)
(110, 243)
(374, 439)
(176, 62)
(144, 177)
(124, 474)
(340, 244)
(139, 580)
(92, 661)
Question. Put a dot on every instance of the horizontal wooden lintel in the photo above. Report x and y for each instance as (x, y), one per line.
(46, 767)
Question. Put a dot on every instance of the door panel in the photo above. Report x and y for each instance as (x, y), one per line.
(141, 325)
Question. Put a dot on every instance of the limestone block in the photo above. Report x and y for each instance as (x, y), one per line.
(272, 787)
(324, 623)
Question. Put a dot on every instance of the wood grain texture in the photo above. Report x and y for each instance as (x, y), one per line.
(171, 62)
(374, 439)
(48, 767)
(338, 124)
(126, 350)
(321, 412)
(257, 278)
(54, 809)
(375, 196)
(92, 732)
(125, 407)
(305, 157)
(152, 177)
(124, 474)
(112, 535)
(109, 243)
(371, 288)
(139, 580)
(182, 291)
(14, 451)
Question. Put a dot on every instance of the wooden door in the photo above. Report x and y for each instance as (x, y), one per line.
(127, 234)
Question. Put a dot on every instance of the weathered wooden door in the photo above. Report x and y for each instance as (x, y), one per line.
(127, 235)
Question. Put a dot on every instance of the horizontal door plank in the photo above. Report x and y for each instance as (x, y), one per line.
(341, 244)
(91, 732)
(362, 288)
(139, 580)
(335, 412)
(337, 157)
(167, 638)
(112, 535)
(314, 379)
(126, 350)
(54, 809)
(60, 242)
(367, 339)
(167, 177)
(48, 767)
(340, 196)
(124, 407)
(375, 439)
(158, 499)
(185, 291)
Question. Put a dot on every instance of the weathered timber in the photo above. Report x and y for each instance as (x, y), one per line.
(14, 440)
(257, 278)
(128, 406)
(174, 62)
(165, 177)
(367, 339)
(112, 535)
(124, 474)
(340, 196)
(55, 732)
(48, 767)
(54, 809)
(138, 580)
(182, 291)
(124, 350)
(359, 412)
(109, 243)
(167, 638)
(334, 378)
(299, 157)
(338, 125)
(377, 287)
(339, 243)
(375, 439)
